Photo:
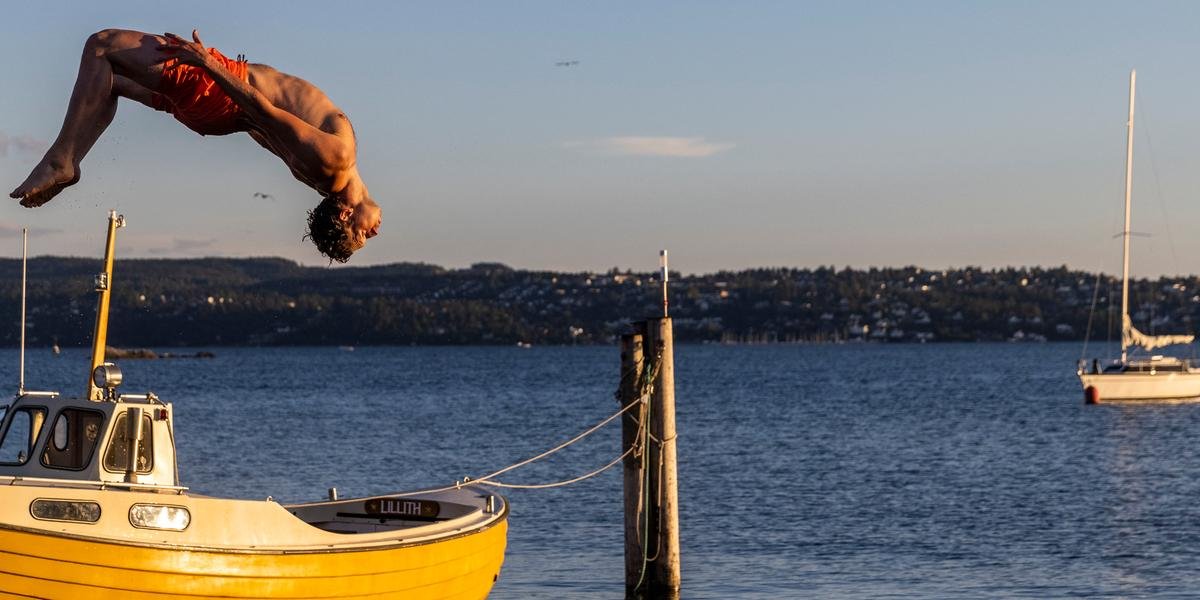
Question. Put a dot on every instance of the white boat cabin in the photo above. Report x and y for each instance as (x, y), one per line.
(121, 441)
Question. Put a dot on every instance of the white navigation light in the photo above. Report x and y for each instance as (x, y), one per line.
(159, 516)
(107, 376)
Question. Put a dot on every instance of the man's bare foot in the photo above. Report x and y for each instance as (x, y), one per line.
(45, 182)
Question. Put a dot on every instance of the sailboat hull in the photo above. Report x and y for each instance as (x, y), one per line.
(1126, 387)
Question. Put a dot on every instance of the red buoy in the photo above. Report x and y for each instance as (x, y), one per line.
(1091, 395)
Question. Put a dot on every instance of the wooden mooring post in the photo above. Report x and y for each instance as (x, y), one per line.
(650, 474)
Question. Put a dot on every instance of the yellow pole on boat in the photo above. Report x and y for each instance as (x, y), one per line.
(103, 286)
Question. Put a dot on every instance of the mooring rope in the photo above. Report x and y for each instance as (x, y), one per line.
(643, 400)
(638, 447)
(643, 507)
(542, 486)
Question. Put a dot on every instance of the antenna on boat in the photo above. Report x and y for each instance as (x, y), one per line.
(662, 263)
(24, 260)
(103, 287)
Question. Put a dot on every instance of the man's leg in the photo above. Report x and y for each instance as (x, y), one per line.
(127, 88)
(107, 55)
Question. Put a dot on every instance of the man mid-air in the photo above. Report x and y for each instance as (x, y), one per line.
(214, 95)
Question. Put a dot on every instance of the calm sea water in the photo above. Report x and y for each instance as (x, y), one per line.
(938, 471)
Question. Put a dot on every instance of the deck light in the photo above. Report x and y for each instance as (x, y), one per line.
(107, 376)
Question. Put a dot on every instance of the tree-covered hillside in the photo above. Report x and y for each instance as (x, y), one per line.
(260, 301)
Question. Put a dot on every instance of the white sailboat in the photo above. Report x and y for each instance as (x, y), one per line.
(1151, 377)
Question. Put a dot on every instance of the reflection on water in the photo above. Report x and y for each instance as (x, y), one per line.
(935, 471)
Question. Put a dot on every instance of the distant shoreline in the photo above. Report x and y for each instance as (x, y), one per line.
(184, 352)
(255, 302)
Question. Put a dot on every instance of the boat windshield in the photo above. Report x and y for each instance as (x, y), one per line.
(73, 439)
(116, 459)
(21, 434)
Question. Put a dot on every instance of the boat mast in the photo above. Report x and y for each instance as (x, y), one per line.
(1125, 232)
(103, 285)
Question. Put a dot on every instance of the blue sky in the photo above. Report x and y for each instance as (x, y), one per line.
(735, 134)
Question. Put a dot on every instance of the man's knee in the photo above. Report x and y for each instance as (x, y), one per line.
(106, 39)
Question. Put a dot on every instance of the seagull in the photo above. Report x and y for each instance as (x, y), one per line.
(566, 63)
(264, 196)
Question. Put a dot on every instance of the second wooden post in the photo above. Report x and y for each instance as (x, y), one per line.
(652, 557)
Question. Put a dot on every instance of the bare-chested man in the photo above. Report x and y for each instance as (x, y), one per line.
(214, 95)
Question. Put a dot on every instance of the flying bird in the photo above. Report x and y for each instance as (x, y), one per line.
(264, 196)
(566, 63)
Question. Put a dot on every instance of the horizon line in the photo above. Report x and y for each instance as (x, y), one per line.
(475, 264)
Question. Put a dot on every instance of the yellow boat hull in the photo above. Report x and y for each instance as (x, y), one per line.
(41, 564)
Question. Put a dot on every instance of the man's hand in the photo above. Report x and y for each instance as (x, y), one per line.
(182, 51)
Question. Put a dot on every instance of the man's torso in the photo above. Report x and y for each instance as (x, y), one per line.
(300, 98)
(307, 102)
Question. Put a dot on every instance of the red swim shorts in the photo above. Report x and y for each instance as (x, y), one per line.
(196, 100)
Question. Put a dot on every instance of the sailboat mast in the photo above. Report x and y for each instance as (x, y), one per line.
(1125, 321)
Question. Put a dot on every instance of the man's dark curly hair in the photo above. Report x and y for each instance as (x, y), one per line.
(329, 232)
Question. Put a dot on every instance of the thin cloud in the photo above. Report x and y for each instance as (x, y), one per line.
(184, 246)
(8, 231)
(637, 145)
(21, 144)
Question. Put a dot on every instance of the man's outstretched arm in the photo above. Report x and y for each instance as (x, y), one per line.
(312, 153)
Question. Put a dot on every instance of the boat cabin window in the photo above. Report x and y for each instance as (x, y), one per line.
(65, 510)
(116, 458)
(21, 435)
(73, 439)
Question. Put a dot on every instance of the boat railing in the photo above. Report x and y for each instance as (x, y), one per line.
(81, 483)
(147, 398)
(31, 394)
(1153, 363)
